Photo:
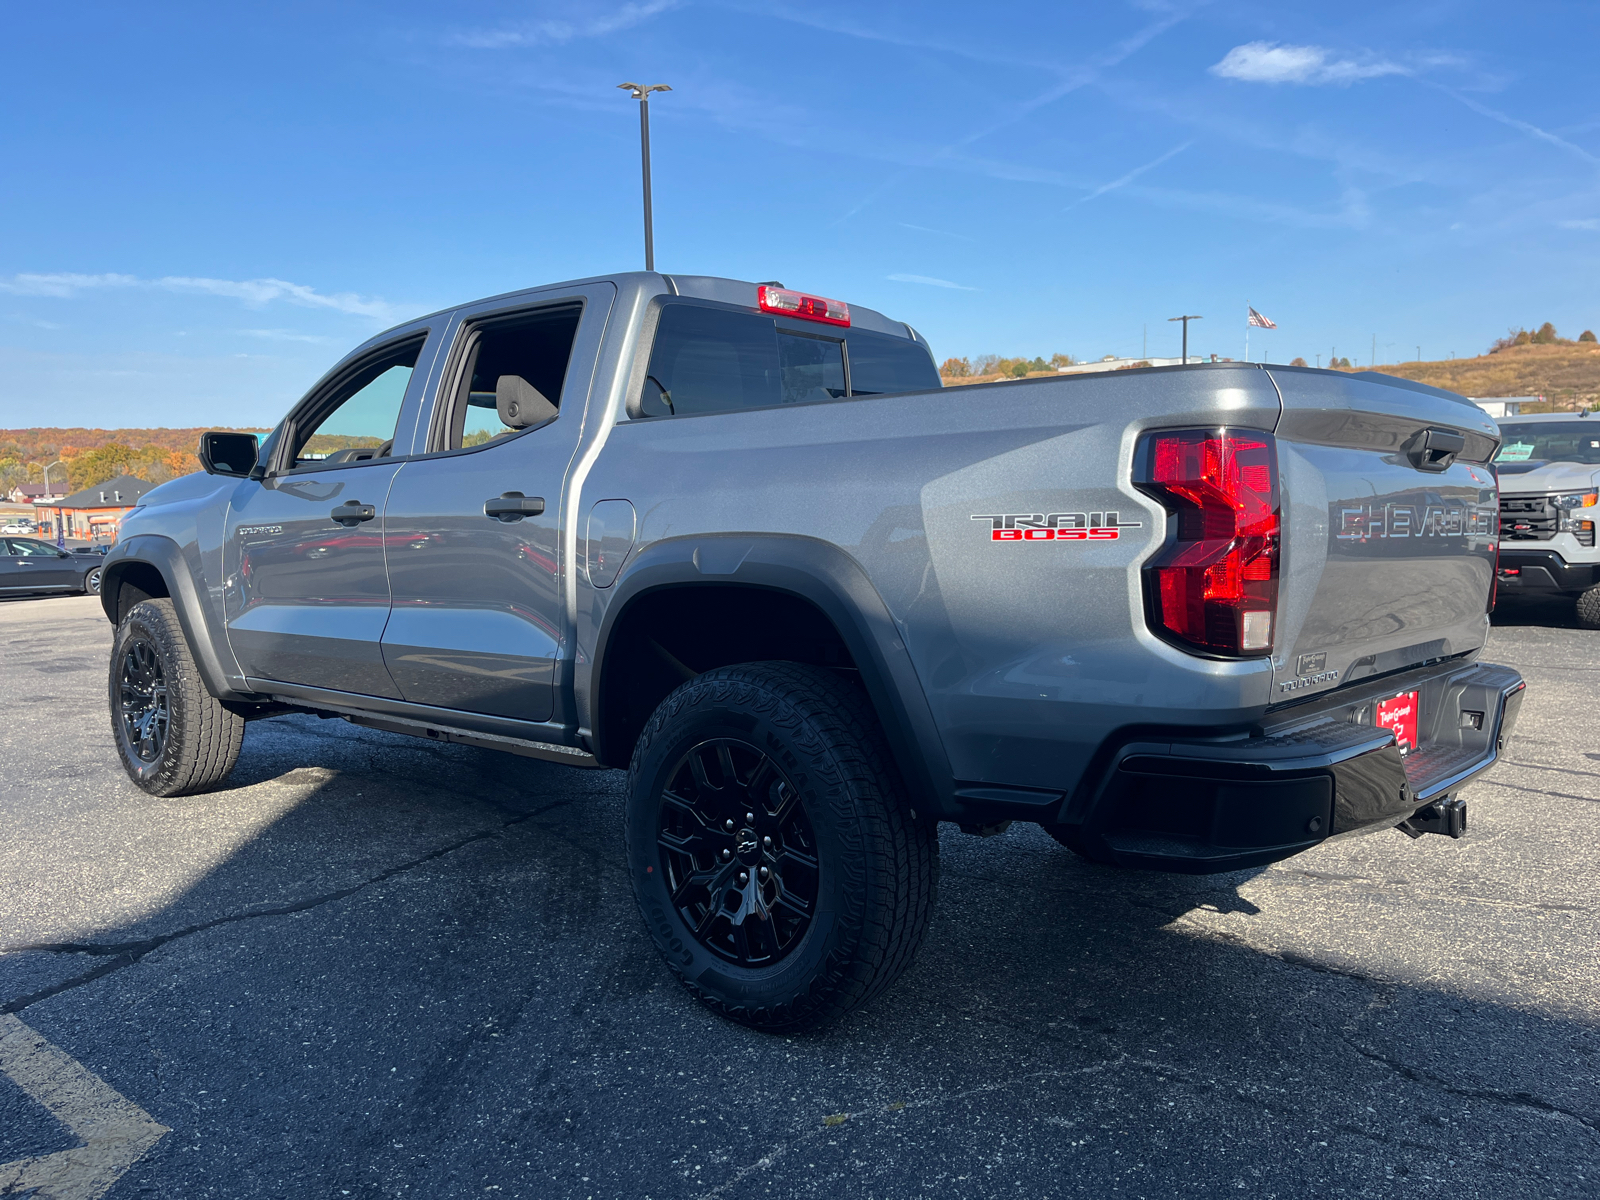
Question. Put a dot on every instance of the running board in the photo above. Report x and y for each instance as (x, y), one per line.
(548, 751)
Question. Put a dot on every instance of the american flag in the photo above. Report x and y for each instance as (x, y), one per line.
(1259, 321)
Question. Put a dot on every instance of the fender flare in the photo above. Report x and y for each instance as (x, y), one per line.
(207, 643)
(832, 581)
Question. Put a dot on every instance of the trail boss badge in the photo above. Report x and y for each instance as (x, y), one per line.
(1055, 527)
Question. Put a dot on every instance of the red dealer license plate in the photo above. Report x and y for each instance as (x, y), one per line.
(1399, 713)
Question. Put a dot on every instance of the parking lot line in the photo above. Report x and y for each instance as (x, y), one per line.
(115, 1132)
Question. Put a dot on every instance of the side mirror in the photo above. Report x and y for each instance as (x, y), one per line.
(228, 453)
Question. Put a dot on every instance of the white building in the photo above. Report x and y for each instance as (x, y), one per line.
(1503, 406)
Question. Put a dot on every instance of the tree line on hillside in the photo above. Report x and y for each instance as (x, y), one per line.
(1006, 368)
(1545, 335)
(91, 456)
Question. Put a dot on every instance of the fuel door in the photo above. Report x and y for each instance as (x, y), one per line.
(608, 540)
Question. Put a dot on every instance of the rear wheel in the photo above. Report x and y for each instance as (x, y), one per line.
(780, 867)
(1589, 609)
(173, 736)
(91, 582)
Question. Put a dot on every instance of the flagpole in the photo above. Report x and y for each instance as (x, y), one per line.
(1247, 333)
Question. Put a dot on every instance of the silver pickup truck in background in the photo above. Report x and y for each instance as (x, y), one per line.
(738, 540)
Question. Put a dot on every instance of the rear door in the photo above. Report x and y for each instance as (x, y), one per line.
(1390, 523)
(474, 526)
(307, 589)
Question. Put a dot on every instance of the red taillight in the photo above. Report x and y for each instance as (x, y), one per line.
(798, 304)
(1215, 587)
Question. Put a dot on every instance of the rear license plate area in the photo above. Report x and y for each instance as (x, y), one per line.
(1399, 713)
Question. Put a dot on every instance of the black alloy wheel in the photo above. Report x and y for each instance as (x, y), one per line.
(738, 853)
(173, 736)
(780, 867)
(142, 691)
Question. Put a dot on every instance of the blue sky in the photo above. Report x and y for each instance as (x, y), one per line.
(204, 206)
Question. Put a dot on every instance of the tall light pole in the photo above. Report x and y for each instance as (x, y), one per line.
(1186, 321)
(61, 532)
(641, 93)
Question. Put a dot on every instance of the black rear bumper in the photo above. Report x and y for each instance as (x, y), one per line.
(1310, 773)
(1539, 572)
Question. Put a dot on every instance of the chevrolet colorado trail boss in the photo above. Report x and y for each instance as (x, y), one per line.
(738, 540)
(1549, 469)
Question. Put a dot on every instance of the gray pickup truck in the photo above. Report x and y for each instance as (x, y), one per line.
(738, 540)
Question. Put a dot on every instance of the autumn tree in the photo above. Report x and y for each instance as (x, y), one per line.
(1586, 336)
(1297, 362)
(955, 368)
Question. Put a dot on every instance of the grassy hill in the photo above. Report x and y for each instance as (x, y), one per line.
(1568, 376)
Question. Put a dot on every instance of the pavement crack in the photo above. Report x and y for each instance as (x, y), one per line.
(1512, 762)
(1524, 1100)
(119, 955)
(1541, 791)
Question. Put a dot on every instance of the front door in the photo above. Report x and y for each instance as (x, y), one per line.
(474, 527)
(308, 591)
(38, 566)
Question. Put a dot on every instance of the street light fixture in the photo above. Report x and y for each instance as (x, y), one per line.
(60, 522)
(1186, 321)
(641, 93)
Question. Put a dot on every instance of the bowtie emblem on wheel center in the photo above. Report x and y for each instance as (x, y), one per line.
(744, 842)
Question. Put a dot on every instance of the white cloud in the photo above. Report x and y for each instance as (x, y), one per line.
(930, 281)
(557, 32)
(255, 293)
(1592, 224)
(1268, 62)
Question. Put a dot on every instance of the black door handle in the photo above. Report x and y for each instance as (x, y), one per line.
(513, 506)
(352, 512)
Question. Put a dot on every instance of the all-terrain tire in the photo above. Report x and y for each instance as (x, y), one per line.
(1588, 608)
(173, 736)
(876, 856)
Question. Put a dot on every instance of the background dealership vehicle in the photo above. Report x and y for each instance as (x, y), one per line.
(1549, 467)
(738, 540)
(29, 566)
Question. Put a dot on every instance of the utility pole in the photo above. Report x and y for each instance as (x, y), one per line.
(1319, 362)
(1419, 353)
(1372, 359)
(1146, 353)
(641, 93)
(1186, 321)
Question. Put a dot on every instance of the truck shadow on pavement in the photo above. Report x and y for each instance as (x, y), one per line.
(421, 972)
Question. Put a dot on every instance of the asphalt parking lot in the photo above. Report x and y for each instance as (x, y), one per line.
(373, 966)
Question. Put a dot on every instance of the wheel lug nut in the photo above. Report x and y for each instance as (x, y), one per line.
(744, 876)
(728, 824)
(749, 818)
(765, 873)
(726, 855)
(767, 843)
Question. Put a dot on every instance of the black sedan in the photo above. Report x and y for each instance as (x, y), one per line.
(29, 566)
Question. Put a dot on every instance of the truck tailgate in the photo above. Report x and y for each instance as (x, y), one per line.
(1389, 541)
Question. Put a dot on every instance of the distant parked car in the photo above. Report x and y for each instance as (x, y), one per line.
(19, 526)
(29, 566)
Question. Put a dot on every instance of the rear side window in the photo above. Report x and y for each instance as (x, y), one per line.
(716, 360)
(880, 364)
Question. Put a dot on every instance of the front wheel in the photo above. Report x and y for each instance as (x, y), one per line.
(782, 871)
(1589, 609)
(174, 737)
(91, 582)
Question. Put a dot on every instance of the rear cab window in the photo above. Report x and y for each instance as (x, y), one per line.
(714, 358)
